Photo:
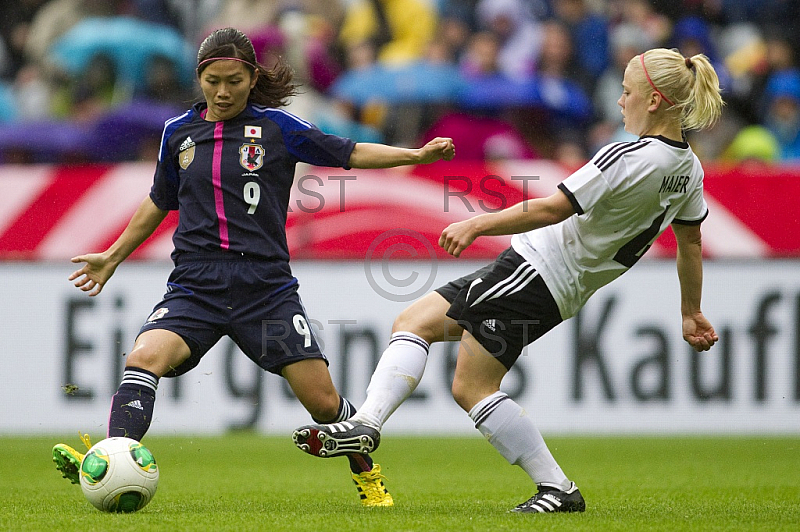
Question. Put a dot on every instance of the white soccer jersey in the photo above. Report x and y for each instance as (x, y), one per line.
(624, 198)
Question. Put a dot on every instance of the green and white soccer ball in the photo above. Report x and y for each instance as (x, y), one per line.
(119, 475)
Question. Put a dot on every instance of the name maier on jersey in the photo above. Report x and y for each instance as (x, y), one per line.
(674, 183)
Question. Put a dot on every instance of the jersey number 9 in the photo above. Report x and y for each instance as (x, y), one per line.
(252, 193)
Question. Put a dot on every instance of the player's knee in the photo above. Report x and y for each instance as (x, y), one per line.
(154, 361)
(158, 351)
(405, 322)
(145, 359)
(411, 321)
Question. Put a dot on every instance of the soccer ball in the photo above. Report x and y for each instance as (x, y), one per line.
(119, 475)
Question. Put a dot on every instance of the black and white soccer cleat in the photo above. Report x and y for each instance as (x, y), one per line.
(552, 499)
(337, 439)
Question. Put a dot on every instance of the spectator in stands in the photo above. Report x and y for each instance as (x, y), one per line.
(556, 59)
(640, 13)
(456, 25)
(14, 29)
(163, 83)
(398, 99)
(518, 32)
(33, 94)
(481, 56)
(350, 112)
(567, 104)
(322, 56)
(783, 112)
(5, 60)
(56, 17)
(780, 55)
(752, 144)
(765, 13)
(88, 94)
(354, 94)
(400, 30)
(155, 11)
(192, 18)
(753, 57)
(485, 133)
(754, 38)
(464, 11)
(253, 15)
(589, 31)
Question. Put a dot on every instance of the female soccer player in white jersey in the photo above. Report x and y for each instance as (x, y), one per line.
(590, 231)
(227, 165)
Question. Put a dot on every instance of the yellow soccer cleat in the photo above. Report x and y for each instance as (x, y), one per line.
(68, 460)
(371, 489)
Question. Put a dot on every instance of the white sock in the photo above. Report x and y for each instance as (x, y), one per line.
(511, 431)
(399, 371)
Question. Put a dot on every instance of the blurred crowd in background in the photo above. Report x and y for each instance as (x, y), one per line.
(94, 80)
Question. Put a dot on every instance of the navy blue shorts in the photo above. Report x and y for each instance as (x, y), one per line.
(254, 302)
(504, 305)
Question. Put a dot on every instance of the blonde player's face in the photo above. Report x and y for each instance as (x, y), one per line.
(226, 87)
(634, 101)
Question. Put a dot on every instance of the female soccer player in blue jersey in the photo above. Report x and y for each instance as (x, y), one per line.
(227, 166)
(565, 247)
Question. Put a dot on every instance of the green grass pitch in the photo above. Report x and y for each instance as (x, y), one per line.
(247, 482)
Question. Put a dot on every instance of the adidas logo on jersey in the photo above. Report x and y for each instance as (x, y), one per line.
(490, 324)
(137, 404)
(186, 144)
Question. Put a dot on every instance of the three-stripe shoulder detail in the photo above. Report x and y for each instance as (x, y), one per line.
(282, 117)
(169, 127)
(605, 160)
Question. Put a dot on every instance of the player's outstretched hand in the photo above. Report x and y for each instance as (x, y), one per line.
(437, 149)
(697, 330)
(456, 237)
(94, 274)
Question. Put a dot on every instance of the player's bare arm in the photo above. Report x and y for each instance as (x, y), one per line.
(697, 330)
(519, 218)
(99, 267)
(369, 155)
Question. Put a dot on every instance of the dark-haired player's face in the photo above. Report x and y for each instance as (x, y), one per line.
(226, 87)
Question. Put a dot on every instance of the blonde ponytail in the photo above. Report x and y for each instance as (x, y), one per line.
(690, 84)
(705, 105)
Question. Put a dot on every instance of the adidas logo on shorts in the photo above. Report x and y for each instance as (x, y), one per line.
(135, 404)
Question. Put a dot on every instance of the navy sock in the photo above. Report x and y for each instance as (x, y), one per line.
(132, 405)
(358, 462)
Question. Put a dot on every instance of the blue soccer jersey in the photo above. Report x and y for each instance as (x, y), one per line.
(232, 179)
